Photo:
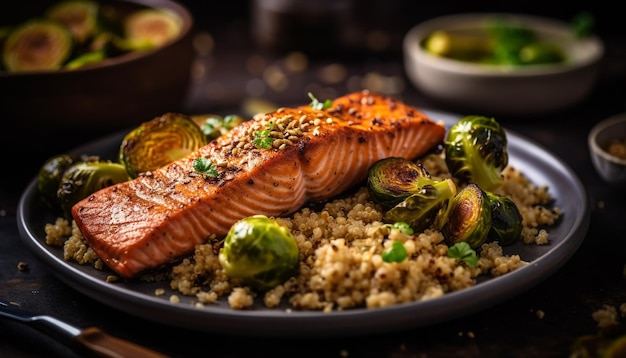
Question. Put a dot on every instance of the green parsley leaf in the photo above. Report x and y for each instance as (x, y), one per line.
(262, 138)
(395, 253)
(316, 104)
(204, 166)
(462, 251)
(232, 120)
(212, 127)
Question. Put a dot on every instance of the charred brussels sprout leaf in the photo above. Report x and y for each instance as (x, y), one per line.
(86, 59)
(476, 151)
(260, 252)
(37, 45)
(49, 178)
(158, 142)
(468, 218)
(392, 180)
(506, 220)
(83, 178)
(422, 209)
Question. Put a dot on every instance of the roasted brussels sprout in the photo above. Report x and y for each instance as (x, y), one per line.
(37, 45)
(214, 125)
(468, 218)
(391, 180)
(422, 209)
(79, 16)
(85, 177)
(506, 220)
(49, 178)
(158, 142)
(260, 252)
(150, 28)
(476, 151)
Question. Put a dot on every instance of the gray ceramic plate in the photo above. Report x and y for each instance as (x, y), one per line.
(138, 298)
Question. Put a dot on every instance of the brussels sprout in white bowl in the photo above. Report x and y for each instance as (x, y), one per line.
(502, 63)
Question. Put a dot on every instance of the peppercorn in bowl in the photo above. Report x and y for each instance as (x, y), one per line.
(93, 63)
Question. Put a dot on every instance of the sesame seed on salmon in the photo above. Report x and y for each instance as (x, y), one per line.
(313, 155)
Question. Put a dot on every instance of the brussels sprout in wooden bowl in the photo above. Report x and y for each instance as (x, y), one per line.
(94, 64)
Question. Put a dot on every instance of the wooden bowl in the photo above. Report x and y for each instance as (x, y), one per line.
(118, 92)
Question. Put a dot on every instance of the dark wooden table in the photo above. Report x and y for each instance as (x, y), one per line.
(592, 278)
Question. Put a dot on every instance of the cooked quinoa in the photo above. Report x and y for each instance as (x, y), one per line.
(340, 246)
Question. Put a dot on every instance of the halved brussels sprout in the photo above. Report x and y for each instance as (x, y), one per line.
(391, 180)
(468, 218)
(506, 220)
(158, 142)
(422, 209)
(79, 16)
(149, 28)
(260, 252)
(37, 45)
(83, 178)
(476, 151)
(49, 178)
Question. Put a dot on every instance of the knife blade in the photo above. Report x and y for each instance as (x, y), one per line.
(91, 340)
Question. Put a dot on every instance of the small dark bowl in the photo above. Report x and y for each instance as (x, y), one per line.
(119, 92)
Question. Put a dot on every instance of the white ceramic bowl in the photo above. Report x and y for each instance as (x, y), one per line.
(611, 168)
(493, 89)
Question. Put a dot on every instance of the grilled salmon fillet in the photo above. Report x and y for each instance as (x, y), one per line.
(313, 155)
